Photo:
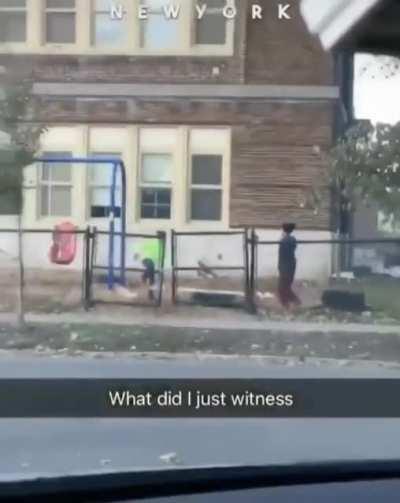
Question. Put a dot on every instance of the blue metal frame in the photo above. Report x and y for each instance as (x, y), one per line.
(116, 164)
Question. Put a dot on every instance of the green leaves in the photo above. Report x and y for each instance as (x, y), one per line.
(367, 161)
(16, 101)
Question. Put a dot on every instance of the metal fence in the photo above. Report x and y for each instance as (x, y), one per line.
(32, 264)
(239, 265)
(213, 294)
(142, 285)
(58, 279)
(370, 282)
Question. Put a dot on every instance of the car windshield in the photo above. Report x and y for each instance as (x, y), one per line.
(199, 236)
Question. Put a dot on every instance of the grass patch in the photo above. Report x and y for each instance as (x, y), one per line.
(382, 294)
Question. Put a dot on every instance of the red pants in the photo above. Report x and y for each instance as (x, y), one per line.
(285, 292)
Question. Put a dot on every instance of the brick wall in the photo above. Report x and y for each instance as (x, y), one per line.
(267, 51)
(273, 163)
(274, 166)
(272, 160)
(137, 69)
(282, 51)
(130, 69)
(274, 115)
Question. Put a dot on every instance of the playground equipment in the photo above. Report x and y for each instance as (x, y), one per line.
(149, 247)
(63, 249)
(116, 165)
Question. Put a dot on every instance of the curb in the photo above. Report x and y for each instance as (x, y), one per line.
(296, 327)
(264, 359)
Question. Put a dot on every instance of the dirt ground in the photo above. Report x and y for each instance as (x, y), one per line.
(61, 291)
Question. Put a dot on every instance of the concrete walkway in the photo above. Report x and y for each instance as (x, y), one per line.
(198, 317)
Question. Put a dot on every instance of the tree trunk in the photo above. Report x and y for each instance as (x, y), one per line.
(21, 277)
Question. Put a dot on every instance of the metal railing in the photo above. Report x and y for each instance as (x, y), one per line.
(93, 266)
(176, 268)
(336, 244)
(20, 251)
(89, 267)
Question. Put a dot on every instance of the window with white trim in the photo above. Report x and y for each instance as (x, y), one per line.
(85, 27)
(206, 187)
(176, 176)
(211, 29)
(100, 184)
(155, 186)
(208, 148)
(157, 150)
(160, 30)
(56, 186)
(60, 21)
(13, 16)
(106, 31)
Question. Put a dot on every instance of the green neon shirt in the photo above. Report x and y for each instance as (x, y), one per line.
(149, 248)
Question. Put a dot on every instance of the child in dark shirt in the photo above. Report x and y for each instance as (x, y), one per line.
(287, 266)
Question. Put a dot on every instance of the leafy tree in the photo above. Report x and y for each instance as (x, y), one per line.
(17, 150)
(366, 163)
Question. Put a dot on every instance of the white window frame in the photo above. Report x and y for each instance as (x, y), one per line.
(92, 186)
(83, 140)
(95, 12)
(209, 187)
(16, 10)
(158, 12)
(224, 150)
(62, 10)
(50, 184)
(220, 49)
(128, 27)
(154, 185)
(36, 42)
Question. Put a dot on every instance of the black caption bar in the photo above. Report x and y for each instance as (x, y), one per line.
(207, 398)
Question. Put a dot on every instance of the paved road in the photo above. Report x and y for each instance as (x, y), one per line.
(59, 446)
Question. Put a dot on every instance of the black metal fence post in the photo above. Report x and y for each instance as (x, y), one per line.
(253, 268)
(173, 265)
(246, 271)
(162, 238)
(92, 261)
(86, 296)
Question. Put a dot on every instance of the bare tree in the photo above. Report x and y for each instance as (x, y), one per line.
(16, 104)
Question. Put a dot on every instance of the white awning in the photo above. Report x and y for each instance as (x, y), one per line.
(332, 20)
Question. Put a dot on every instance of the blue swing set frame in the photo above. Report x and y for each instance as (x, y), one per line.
(117, 164)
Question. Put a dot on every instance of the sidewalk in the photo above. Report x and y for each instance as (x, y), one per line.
(198, 318)
(197, 330)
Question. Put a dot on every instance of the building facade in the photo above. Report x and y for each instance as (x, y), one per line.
(217, 115)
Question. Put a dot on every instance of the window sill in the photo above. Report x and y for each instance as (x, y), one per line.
(46, 222)
(206, 225)
(70, 49)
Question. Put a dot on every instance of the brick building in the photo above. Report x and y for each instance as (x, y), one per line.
(216, 119)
